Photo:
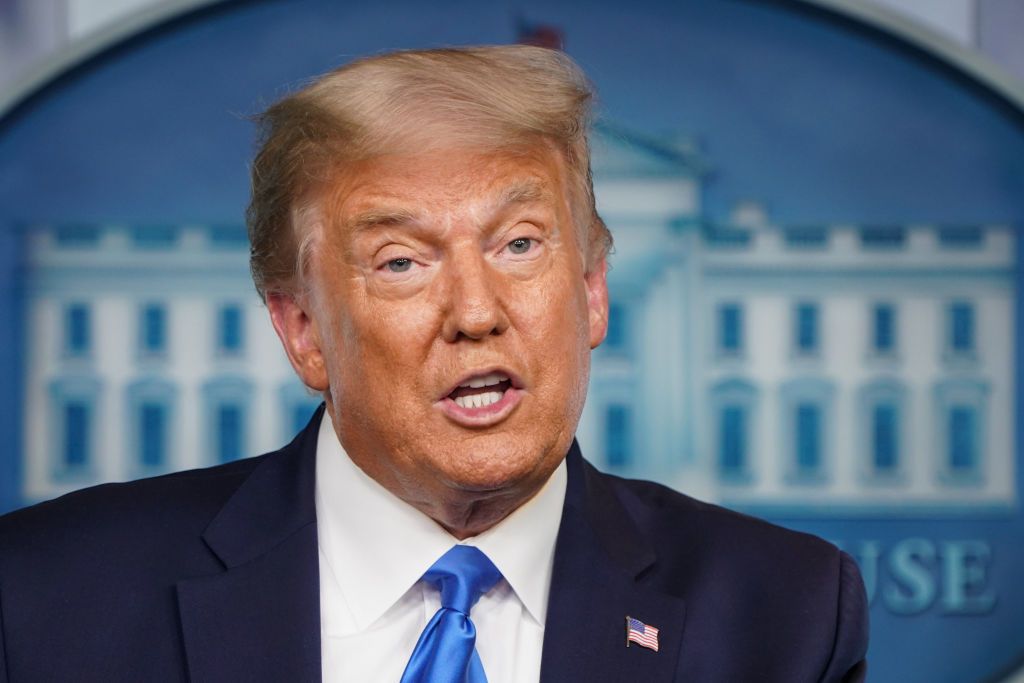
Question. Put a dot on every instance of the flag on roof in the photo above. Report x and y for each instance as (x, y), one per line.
(540, 35)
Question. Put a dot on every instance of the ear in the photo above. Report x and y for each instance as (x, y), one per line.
(596, 281)
(298, 332)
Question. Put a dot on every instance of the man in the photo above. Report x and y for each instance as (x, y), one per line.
(424, 235)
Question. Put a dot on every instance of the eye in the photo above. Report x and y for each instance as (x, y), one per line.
(520, 245)
(399, 265)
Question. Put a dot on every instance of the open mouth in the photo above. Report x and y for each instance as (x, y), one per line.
(483, 399)
(481, 391)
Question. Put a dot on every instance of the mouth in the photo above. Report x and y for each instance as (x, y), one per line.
(482, 399)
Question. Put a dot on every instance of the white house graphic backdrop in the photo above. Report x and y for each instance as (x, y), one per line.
(815, 310)
(817, 367)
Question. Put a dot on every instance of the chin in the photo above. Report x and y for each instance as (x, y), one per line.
(504, 468)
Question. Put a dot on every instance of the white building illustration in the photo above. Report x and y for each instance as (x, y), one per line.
(828, 369)
(147, 351)
(825, 368)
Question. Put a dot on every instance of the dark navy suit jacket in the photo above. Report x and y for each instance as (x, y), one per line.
(212, 575)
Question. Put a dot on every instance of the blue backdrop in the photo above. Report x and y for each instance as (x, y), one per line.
(820, 119)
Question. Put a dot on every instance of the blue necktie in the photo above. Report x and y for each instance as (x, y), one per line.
(446, 652)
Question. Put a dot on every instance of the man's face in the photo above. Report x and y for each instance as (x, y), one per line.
(451, 318)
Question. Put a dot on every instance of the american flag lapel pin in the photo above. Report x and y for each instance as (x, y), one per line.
(642, 634)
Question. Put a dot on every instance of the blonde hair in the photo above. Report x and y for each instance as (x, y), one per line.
(483, 97)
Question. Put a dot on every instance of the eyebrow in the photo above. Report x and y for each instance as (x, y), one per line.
(380, 218)
(524, 192)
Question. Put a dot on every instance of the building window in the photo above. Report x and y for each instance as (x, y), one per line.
(806, 237)
(961, 236)
(298, 405)
(77, 434)
(881, 430)
(726, 235)
(301, 412)
(227, 409)
(153, 329)
(730, 329)
(230, 427)
(150, 409)
(884, 440)
(732, 403)
(617, 435)
(883, 237)
(77, 236)
(732, 441)
(153, 429)
(960, 324)
(806, 405)
(74, 432)
(77, 329)
(883, 335)
(228, 237)
(808, 437)
(805, 332)
(154, 236)
(617, 338)
(961, 406)
(230, 330)
(962, 455)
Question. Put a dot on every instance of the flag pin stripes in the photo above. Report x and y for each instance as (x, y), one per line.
(642, 634)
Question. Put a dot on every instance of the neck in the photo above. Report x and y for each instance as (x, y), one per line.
(463, 509)
(474, 517)
(461, 513)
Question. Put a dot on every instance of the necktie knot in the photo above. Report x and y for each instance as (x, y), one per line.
(446, 650)
(462, 575)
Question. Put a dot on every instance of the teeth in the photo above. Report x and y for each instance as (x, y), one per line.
(478, 400)
(486, 380)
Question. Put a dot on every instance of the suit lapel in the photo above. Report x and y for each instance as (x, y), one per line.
(259, 620)
(601, 559)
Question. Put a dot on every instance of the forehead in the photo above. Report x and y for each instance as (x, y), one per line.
(450, 179)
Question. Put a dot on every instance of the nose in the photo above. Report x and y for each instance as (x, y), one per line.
(474, 309)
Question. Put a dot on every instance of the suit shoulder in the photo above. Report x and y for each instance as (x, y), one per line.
(677, 524)
(144, 510)
(756, 585)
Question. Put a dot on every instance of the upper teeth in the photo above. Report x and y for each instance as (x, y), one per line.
(478, 400)
(485, 381)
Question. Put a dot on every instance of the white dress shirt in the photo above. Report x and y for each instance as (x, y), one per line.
(374, 548)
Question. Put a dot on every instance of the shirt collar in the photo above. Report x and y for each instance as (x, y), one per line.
(378, 546)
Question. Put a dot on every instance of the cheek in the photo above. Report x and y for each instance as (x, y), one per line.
(564, 313)
(555, 321)
(391, 339)
(343, 346)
